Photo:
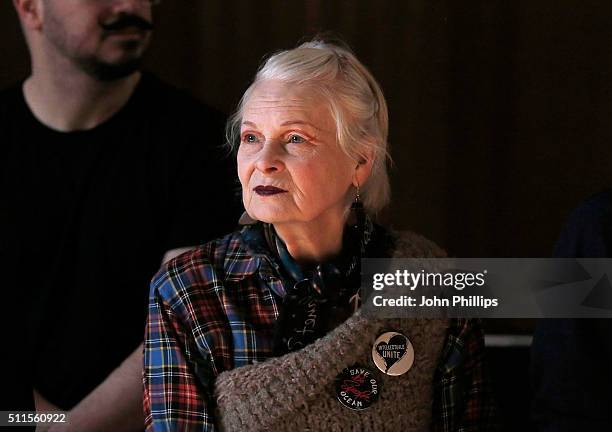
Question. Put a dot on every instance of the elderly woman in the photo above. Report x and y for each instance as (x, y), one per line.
(260, 330)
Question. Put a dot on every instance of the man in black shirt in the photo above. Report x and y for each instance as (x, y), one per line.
(106, 171)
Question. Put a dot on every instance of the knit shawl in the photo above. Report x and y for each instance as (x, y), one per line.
(296, 392)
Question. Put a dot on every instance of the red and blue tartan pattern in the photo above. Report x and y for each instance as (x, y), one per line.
(212, 309)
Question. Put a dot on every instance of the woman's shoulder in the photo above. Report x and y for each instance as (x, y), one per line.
(204, 267)
(408, 244)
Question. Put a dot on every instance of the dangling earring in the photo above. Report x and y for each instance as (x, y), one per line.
(356, 219)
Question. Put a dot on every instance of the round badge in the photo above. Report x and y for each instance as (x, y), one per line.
(393, 353)
(357, 388)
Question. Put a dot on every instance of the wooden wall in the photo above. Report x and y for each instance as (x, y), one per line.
(499, 110)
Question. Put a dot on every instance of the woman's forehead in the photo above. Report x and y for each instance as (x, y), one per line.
(279, 99)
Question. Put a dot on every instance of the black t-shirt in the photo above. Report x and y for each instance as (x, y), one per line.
(90, 215)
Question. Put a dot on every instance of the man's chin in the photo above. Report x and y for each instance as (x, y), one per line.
(105, 71)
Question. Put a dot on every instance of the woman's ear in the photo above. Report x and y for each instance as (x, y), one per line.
(363, 168)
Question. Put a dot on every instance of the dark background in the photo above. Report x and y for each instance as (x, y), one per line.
(499, 110)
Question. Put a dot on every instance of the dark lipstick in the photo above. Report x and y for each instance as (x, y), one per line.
(268, 190)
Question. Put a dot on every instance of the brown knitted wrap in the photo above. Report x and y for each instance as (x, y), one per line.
(295, 392)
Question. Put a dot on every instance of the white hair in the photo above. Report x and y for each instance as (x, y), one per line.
(356, 103)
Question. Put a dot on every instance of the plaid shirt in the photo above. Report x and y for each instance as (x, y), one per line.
(214, 309)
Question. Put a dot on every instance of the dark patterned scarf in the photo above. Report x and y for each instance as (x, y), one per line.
(320, 298)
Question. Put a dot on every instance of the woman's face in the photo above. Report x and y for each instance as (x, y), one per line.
(290, 166)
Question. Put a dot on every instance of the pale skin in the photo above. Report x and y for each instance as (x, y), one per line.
(66, 98)
(288, 140)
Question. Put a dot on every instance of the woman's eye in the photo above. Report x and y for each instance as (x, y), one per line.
(249, 138)
(296, 139)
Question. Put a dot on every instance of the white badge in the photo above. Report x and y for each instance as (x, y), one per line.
(393, 353)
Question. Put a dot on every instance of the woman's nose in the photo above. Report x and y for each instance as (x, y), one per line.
(270, 159)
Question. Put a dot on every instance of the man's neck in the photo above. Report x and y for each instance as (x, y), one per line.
(76, 101)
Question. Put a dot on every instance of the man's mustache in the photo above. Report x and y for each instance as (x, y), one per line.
(126, 21)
